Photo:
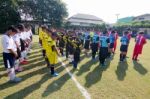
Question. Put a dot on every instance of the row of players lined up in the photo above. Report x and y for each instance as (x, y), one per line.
(54, 42)
(16, 44)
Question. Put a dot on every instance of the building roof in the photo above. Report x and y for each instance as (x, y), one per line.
(144, 15)
(85, 17)
(125, 20)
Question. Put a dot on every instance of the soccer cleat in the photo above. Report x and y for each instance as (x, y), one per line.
(55, 74)
(15, 80)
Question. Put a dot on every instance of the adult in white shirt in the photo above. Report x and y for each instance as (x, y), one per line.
(10, 53)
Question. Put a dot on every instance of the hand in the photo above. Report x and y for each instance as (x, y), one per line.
(16, 55)
(59, 54)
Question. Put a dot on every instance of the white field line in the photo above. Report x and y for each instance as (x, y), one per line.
(81, 88)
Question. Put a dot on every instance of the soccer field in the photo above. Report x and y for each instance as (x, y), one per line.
(128, 80)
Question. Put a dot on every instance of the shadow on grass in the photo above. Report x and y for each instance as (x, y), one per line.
(1, 60)
(86, 67)
(35, 45)
(57, 84)
(35, 52)
(94, 76)
(29, 66)
(28, 90)
(121, 70)
(139, 68)
(1, 64)
(27, 76)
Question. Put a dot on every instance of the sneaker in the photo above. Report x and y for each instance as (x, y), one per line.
(20, 69)
(103, 65)
(23, 63)
(16, 80)
(77, 68)
(55, 74)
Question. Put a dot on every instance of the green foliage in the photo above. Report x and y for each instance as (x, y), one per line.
(52, 11)
(134, 25)
(100, 27)
(137, 24)
(8, 14)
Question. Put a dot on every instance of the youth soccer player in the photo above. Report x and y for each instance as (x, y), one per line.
(10, 53)
(124, 46)
(104, 44)
(140, 41)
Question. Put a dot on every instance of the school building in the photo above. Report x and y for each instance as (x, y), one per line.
(84, 20)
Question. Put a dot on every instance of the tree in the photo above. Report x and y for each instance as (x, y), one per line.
(9, 14)
(52, 11)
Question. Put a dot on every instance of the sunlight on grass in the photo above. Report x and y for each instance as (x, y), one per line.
(129, 80)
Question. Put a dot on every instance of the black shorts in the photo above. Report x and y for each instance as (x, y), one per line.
(22, 45)
(111, 45)
(87, 44)
(71, 51)
(124, 48)
(103, 53)
(9, 60)
(94, 47)
(19, 53)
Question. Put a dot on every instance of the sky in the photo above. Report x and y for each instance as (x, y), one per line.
(107, 9)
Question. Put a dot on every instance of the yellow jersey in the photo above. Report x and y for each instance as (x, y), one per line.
(52, 54)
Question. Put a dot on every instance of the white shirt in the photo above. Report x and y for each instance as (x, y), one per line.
(30, 32)
(22, 35)
(16, 38)
(8, 43)
(28, 35)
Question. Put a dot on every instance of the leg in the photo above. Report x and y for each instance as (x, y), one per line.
(53, 73)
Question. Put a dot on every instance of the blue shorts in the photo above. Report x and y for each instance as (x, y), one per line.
(9, 60)
(111, 45)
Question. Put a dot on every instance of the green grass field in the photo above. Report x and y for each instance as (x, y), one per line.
(129, 80)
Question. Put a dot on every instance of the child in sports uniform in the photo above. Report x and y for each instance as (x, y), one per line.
(10, 53)
(140, 41)
(124, 46)
(87, 42)
(112, 41)
(94, 45)
(53, 54)
(104, 44)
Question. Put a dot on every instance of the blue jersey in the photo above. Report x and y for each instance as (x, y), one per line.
(104, 40)
(87, 36)
(124, 40)
(112, 38)
(95, 38)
